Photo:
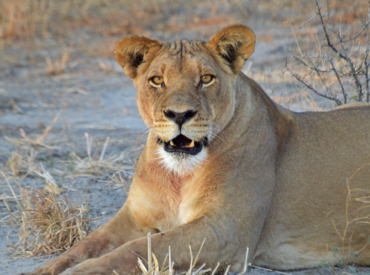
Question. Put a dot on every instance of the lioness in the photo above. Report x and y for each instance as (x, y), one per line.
(224, 162)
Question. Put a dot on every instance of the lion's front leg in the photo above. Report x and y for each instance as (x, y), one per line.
(219, 247)
(109, 236)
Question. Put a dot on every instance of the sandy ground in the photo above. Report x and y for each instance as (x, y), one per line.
(100, 100)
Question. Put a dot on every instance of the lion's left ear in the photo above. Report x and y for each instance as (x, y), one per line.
(235, 44)
(131, 50)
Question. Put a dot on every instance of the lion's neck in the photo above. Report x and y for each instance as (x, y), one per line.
(254, 112)
(256, 122)
(246, 143)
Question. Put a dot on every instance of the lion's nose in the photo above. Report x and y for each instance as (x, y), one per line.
(180, 118)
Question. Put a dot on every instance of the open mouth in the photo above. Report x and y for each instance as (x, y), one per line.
(182, 144)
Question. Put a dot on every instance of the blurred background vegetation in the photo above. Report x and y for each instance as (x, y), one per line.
(52, 34)
(32, 22)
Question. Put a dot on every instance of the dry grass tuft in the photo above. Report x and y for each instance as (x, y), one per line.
(50, 224)
(14, 214)
(353, 222)
(95, 164)
(24, 163)
(56, 66)
(154, 268)
(21, 162)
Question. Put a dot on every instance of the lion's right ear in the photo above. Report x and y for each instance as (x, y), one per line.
(235, 44)
(130, 52)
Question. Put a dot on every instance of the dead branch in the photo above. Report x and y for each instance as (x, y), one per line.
(312, 88)
(342, 70)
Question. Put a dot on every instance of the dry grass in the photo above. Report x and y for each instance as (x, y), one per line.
(23, 19)
(27, 19)
(21, 162)
(350, 229)
(50, 224)
(14, 214)
(153, 267)
(27, 141)
(24, 163)
(95, 164)
(56, 66)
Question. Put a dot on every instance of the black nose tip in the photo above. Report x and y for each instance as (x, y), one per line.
(180, 118)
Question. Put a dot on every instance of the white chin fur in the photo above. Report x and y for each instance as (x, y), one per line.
(181, 164)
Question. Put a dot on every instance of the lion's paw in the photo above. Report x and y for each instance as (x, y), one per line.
(90, 267)
(54, 267)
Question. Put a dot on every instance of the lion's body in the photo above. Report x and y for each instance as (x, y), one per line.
(266, 178)
(321, 153)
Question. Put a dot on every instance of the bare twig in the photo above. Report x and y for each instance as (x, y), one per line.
(342, 53)
(339, 81)
(312, 88)
(338, 64)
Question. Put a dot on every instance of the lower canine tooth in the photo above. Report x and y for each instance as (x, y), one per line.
(191, 144)
(171, 143)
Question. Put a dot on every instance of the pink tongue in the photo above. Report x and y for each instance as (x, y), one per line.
(185, 146)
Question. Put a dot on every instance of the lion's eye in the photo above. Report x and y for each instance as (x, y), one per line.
(206, 80)
(157, 81)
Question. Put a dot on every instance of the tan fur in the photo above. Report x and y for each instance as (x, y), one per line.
(353, 105)
(271, 179)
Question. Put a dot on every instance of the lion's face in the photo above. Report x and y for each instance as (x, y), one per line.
(186, 99)
(185, 91)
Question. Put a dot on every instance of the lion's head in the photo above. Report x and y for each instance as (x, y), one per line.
(185, 89)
